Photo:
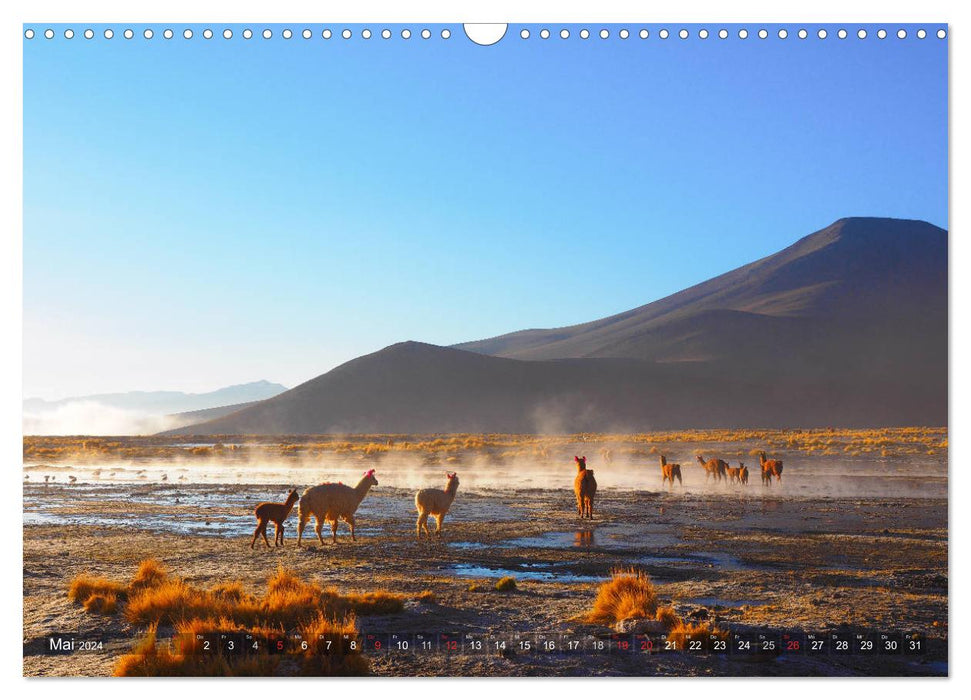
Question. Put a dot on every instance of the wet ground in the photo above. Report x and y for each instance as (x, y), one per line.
(809, 554)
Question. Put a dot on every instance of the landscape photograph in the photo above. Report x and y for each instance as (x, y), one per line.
(371, 350)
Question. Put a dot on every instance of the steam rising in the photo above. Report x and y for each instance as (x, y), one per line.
(93, 418)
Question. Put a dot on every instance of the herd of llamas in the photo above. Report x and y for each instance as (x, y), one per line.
(331, 503)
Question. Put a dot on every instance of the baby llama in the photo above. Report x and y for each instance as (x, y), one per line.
(278, 513)
(435, 502)
(333, 502)
(585, 487)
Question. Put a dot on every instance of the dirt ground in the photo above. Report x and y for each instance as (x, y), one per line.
(752, 558)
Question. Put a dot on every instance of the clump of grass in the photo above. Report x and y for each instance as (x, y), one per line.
(150, 573)
(506, 583)
(683, 630)
(84, 586)
(628, 594)
(231, 591)
(101, 603)
(426, 597)
(335, 659)
(151, 659)
(374, 603)
(153, 597)
(668, 617)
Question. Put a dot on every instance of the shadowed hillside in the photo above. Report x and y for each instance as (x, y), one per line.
(846, 327)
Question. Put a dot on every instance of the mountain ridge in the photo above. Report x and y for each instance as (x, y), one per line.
(846, 326)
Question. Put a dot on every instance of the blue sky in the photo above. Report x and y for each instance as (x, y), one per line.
(201, 213)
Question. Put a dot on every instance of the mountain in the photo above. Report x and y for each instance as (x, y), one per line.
(847, 327)
(878, 272)
(166, 402)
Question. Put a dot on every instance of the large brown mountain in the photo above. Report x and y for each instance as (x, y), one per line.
(848, 326)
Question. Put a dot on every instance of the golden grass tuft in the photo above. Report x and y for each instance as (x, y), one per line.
(153, 597)
(101, 603)
(82, 587)
(506, 583)
(667, 616)
(232, 591)
(628, 594)
(148, 658)
(683, 630)
(150, 573)
(426, 597)
(374, 603)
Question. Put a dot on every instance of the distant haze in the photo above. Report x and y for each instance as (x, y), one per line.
(136, 412)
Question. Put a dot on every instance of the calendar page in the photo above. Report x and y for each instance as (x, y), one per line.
(545, 349)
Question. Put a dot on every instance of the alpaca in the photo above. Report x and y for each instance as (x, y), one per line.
(278, 513)
(330, 502)
(713, 467)
(742, 473)
(435, 502)
(669, 472)
(585, 487)
(734, 474)
(770, 468)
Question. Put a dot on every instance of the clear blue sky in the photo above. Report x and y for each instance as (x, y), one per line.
(201, 213)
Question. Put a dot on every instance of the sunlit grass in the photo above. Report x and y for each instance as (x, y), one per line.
(628, 594)
(451, 448)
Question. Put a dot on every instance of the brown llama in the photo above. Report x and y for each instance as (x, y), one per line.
(277, 512)
(742, 473)
(669, 472)
(585, 487)
(713, 467)
(734, 474)
(770, 468)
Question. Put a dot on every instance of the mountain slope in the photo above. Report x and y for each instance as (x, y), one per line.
(847, 327)
(884, 273)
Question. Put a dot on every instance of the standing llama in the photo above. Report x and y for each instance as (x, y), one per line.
(669, 472)
(742, 473)
(770, 468)
(713, 467)
(734, 474)
(278, 513)
(333, 502)
(585, 487)
(435, 502)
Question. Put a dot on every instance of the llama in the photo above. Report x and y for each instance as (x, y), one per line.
(770, 468)
(669, 472)
(734, 474)
(435, 502)
(278, 513)
(742, 473)
(585, 487)
(607, 455)
(713, 467)
(331, 502)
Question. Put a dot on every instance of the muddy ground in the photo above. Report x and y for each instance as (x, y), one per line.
(753, 558)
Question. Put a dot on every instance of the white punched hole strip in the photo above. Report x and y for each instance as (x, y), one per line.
(486, 34)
